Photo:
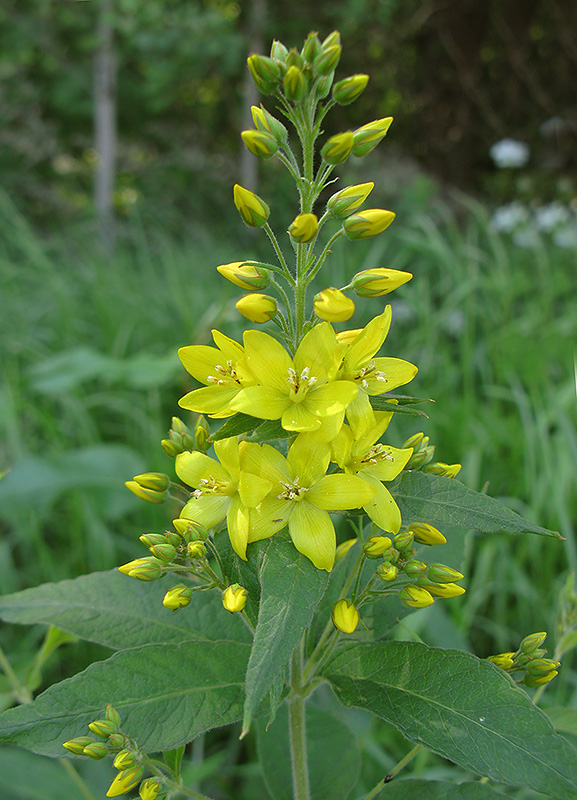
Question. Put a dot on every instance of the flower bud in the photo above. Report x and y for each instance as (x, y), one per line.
(542, 666)
(378, 281)
(421, 456)
(170, 448)
(116, 741)
(260, 143)
(202, 435)
(77, 745)
(414, 441)
(439, 573)
(265, 73)
(332, 305)
(532, 643)
(234, 598)
(253, 210)
(368, 136)
(295, 59)
(150, 539)
(175, 539)
(245, 275)
(102, 728)
(265, 122)
(345, 616)
(445, 470)
(311, 48)
(539, 680)
(445, 590)
(304, 228)
(278, 51)
(327, 60)
(294, 84)
(149, 789)
(387, 572)
(164, 552)
(189, 529)
(124, 759)
(150, 495)
(157, 481)
(181, 434)
(323, 86)
(143, 569)
(343, 548)
(348, 200)
(414, 568)
(376, 546)
(367, 223)
(415, 597)
(196, 550)
(426, 534)
(502, 660)
(403, 540)
(177, 597)
(257, 307)
(96, 750)
(338, 148)
(348, 90)
(125, 781)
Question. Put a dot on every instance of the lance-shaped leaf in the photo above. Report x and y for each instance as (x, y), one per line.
(411, 788)
(239, 423)
(291, 589)
(461, 707)
(166, 695)
(120, 612)
(445, 501)
(330, 742)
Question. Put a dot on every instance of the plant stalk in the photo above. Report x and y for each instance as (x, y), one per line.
(297, 732)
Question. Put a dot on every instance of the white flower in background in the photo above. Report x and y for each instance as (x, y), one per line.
(566, 237)
(551, 216)
(511, 217)
(510, 153)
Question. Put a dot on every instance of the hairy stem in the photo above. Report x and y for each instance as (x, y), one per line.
(297, 731)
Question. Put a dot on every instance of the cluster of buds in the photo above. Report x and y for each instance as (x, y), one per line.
(181, 438)
(425, 581)
(111, 741)
(529, 659)
(422, 458)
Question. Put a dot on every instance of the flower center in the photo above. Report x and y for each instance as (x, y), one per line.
(292, 491)
(369, 371)
(378, 452)
(300, 384)
(211, 485)
(226, 375)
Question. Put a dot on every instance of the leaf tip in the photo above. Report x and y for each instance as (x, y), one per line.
(244, 731)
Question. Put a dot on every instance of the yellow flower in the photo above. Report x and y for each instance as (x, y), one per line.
(333, 306)
(348, 200)
(357, 454)
(378, 281)
(372, 375)
(297, 391)
(222, 369)
(221, 491)
(125, 781)
(257, 307)
(234, 598)
(301, 496)
(345, 616)
(252, 208)
(304, 228)
(246, 275)
(370, 222)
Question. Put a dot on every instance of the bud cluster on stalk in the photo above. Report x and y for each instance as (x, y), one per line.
(529, 659)
(422, 458)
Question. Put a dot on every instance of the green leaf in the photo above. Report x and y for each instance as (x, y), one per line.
(383, 404)
(239, 423)
(564, 719)
(25, 776)
(166, 694)
(446, 501)
(461, 707)
(291, 590)
(329, 743)
(411, 788)
(119, 612)
(407, 400)
(268, 430)
(173, 759)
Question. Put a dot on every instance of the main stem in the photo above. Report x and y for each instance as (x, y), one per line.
(297, 731)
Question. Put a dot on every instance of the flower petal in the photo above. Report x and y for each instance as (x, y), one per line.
(360, 415)
(317, 351)
(338, 492)
(268, 361)
(309, 459)
(313, 534)
(269, 518)
(330, 398)
(396, 371)
(227, 453)
(329, 428)
(265, 461)
(341, 446)
(253, 489)
(200, 361)
(194, 467)
(264, 402)
(237, 520)
(209, 509)
(297, 417)
(211, 400)
(371, 435)
(388, 469)
(368, 342)
(231, 349)
(383, 510)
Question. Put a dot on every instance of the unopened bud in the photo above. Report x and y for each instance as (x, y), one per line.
(253, 210)
(149, 789)
(542, 666)
(196, 550)
(294, 84)
(367, 223)
(403, 540)
(96, 750)
(102, 728)
(202, 435)
(77, 745)
(257, 308)
(348, 90)
(502, 660)
(260, 143)
(150, 495)
(151, 539)
(125, 781)
(426, 534)
(378, 281)
(532, 642)
(445, 590)
(245, 275)
(164, 552)
(116, 741)
(332, 305)
(539, 680)
(414, 568)
(304, 228)
(439, 573)
(387, 572)
(345, 616)
(338, 148)
(328, 59)
(323, 85)
(157, 481)
(414, 441)
(442, 469)
(422, 455)
(416, 597)
(266, 123)
(177, 597)
(189, 529)
(368, 136)
(265, 73)
(376, 546)
(124, 759)
(234, 598)
(348, 200)
(170, 448)
(312, 47)
(278, 52)
(343, 548)
(143, 569)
